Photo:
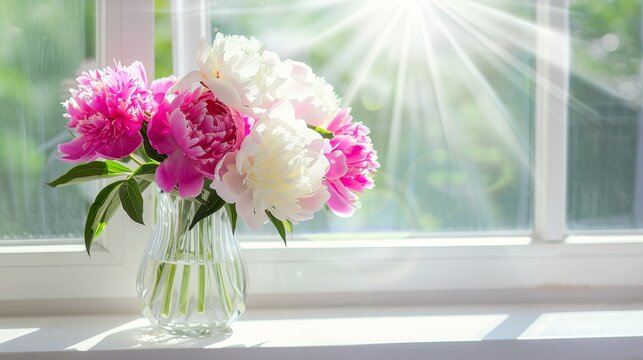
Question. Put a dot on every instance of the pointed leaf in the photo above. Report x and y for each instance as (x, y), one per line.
(211, 205)
(132, 200)
(100, 212)
(146, 172)
(91, 171)
(232, 215)
(149, 150)
(279, 225)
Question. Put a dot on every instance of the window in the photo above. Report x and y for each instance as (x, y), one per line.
(45, 45)
(488, 165)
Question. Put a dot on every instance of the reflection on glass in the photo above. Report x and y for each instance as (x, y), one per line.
(446, 88)
(45, 44)
(605, 164)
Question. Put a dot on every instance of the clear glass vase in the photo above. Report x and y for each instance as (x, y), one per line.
(191, 282)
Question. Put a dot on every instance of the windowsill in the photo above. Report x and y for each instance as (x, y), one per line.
(527, 332)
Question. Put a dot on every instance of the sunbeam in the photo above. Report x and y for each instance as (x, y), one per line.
(365, 66)
(398, 104)
(450, 91)
(453, 135)
(497, 114)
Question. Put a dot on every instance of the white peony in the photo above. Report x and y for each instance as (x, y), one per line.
(233, 68)
(280, 168)
(313, 99)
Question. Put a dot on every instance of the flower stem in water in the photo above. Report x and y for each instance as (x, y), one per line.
(201, 302)
(184, 298)
(169, 286)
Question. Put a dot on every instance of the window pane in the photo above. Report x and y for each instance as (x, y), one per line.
(446, 88)
(162, 38)
(45, 44)
(605, 164)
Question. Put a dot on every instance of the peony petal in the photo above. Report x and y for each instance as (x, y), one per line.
(167, 175)
(228, 183)
(179, 127)
(255, 218)
(314, 203)
(76, 150)
(123, 146)
(340, 202)
(190, 181)
(228, 94)
(186, 82)
(338, 166)
(178, 171)
(160, 88)
(158, 131)
(138, 71)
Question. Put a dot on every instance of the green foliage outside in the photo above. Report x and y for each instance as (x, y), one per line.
(45, 45)
(604, 190)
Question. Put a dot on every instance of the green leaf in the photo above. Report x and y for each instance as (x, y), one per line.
(100, 212)
(323, 132)
(146, 172)
(149, 150)
(132, 200)
(211, 205)
(91, 171)
(279, 225)
(232, 215)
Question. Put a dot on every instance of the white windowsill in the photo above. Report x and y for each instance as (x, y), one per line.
(587, 331)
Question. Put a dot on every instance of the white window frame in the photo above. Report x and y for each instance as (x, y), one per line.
(548, 265)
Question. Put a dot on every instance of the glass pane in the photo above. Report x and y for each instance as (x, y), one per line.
(45, 45)
(446, 88)
(162, 38)
(605, 164)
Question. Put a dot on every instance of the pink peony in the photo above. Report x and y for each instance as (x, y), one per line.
(195, 130)
(107, 111)
(352, 162)
(160, 88)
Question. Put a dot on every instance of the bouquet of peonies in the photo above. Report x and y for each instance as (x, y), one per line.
(262, 136)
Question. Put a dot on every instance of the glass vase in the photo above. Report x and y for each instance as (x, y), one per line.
(191, 282)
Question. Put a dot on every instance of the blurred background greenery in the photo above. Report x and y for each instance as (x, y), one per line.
(448, 94)
(605, 167)
(45, 44)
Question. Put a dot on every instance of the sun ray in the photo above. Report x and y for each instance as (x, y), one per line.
(453, 135)
(272, 9)
(399, 95)
(497, 115)
(340, 26)
(502, 53)
(359, 43)
(482, 38)
(365, 66)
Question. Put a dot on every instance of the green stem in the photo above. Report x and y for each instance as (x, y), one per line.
(202, 259)
(169, 286)
(221, 286)
(159, 274)
(184, 298)
(136, 159)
